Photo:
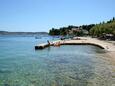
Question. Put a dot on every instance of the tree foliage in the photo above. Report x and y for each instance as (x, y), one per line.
(103, 28)
(65, 30)
(96, 30)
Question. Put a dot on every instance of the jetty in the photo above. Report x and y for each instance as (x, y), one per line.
(81, 41)
(42, 46)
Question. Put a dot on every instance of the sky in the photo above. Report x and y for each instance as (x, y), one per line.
(42, 15)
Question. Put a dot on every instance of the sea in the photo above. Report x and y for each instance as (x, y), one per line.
(67, 65)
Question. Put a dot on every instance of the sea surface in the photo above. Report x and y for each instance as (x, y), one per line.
(67, 65)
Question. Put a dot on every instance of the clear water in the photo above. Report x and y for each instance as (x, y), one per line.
(21, 65)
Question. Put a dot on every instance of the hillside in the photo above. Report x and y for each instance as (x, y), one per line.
(104, 29)
(22, 33)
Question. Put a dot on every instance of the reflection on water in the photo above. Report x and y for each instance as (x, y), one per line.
(21, 65)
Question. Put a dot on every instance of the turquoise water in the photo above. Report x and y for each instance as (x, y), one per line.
(21, 65)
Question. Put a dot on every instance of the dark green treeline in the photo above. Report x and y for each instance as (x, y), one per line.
(94, 30)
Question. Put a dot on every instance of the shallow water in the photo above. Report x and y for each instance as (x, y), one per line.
(21, 65)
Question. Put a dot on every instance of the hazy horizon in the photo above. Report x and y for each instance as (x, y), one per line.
(42, 15)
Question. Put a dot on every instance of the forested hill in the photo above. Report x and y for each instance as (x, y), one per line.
(103, 28)
(65, 30)
(97, 30)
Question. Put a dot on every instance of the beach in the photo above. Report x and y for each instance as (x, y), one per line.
(108, 46)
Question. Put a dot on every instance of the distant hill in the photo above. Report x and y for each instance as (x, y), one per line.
(23, 33)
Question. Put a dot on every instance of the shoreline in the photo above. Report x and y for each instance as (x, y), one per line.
(107, 45)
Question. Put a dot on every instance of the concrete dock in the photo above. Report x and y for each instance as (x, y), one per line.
(83, 41)
(42, 46)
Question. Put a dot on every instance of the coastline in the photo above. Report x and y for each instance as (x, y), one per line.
(108, 46)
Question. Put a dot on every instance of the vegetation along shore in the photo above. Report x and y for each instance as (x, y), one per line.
(103, 30)
(103, 34)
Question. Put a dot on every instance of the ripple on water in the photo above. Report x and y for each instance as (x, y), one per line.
(57, 66)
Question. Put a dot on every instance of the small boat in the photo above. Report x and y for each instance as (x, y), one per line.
(37, 37)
